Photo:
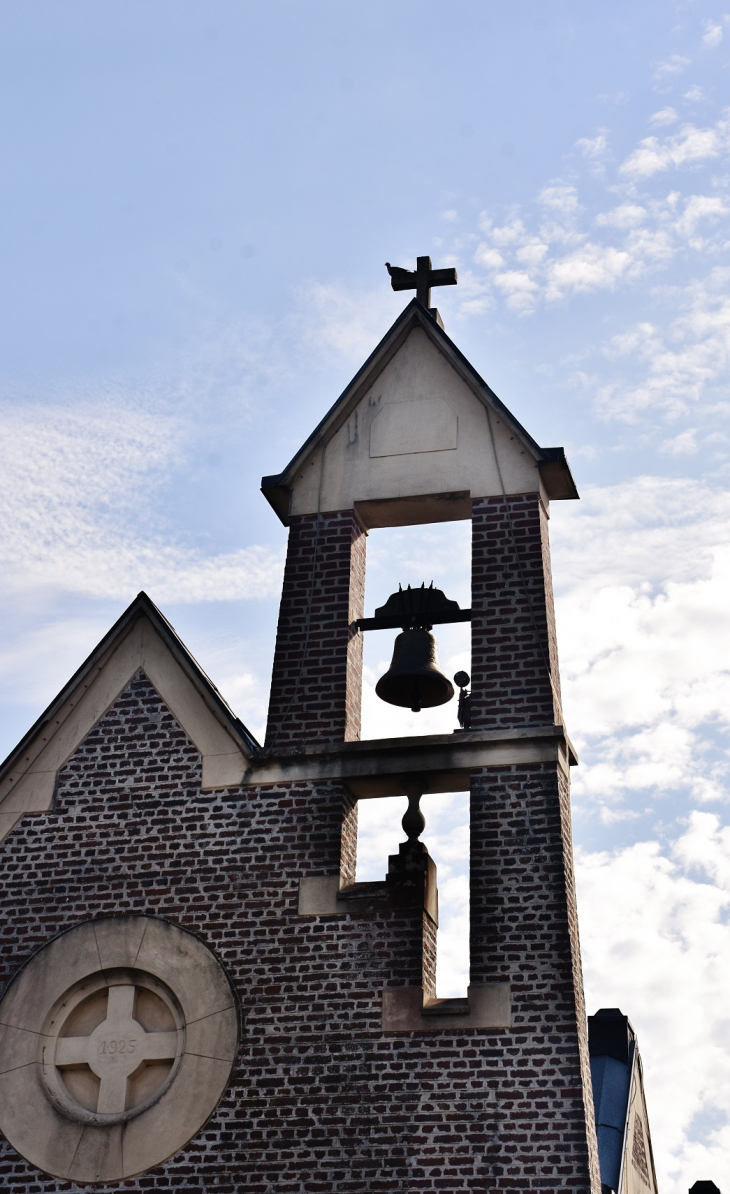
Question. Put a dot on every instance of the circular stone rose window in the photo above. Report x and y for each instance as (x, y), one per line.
(116, 1043)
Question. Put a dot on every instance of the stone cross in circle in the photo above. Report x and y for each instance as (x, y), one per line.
(116, 1049)
(421, 280)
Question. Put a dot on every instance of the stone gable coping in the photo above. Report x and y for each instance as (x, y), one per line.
(141, 641)
(438, 501)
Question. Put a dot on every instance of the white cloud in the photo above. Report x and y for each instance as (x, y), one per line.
(626, 215)
(681, 363)
(614, 97)
(695, 94)
(518, 287)
(713, 34)
(689, 146)
(350, 322)
(562, 261)
(489, 257)
(646, 921)
(649, 530)
(589, 268)
(474, 294)
(642, 573)
(532, 252)
(450, 216)
(559, 248)
(505, 235)
(674, 65)
(699, 207)
(684, 444)
(664, 116)
(592, 147)
(77, 501)
(649, 247)
(561, 198)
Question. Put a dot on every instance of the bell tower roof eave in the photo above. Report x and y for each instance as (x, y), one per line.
(552, 462)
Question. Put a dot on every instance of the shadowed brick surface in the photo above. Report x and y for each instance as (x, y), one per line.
(524, 929)
(514, 659)
(316, 682)
(320, 1100)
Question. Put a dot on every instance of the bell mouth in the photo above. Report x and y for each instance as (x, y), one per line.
(414, 680)
(423, 694)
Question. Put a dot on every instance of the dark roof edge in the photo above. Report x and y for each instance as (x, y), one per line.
(141, 604)
(556, 474)
(275, 487)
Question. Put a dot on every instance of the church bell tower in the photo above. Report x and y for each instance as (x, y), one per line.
(499, 1078)
(196, 993)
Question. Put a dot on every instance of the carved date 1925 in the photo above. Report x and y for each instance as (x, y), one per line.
(127, 1045)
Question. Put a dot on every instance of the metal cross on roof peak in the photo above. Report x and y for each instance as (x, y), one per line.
(421, 279)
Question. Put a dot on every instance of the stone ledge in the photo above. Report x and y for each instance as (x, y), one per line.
(404, 1009)
(446, 761)
(318, 896)
(322, 895)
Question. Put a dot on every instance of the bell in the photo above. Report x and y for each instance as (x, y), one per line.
(414, 680)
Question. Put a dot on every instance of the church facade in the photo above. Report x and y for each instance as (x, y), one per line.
(198, 994)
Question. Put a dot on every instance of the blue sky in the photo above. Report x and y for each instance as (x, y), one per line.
(197, 202)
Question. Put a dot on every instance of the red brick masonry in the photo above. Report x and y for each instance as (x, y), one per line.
(514, 659)
(316, 682)
(321, 1100)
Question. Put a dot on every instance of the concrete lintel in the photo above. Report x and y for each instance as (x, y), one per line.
(412, 511)
(446, 761)
(405, 1010)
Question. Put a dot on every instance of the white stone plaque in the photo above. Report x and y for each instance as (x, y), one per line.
(405, 428)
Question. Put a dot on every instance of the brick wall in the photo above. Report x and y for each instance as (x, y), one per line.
(320, 1099)
(317, 673)
(316, 683)
(348, 857)
(524, 929)
(515, 679)
(429, 954)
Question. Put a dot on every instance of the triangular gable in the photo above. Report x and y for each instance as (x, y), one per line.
(638, 1175)
(142, 639)
(415, 350)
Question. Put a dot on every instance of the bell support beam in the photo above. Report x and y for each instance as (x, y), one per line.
(446, 761)
(395, 622)
(419, 608)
